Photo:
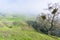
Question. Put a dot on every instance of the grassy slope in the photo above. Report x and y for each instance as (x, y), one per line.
(23, 32)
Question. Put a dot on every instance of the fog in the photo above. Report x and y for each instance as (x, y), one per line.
(24, 6)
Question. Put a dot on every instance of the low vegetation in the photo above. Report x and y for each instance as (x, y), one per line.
(18, 29)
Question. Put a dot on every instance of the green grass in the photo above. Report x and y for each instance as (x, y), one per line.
(22, 32)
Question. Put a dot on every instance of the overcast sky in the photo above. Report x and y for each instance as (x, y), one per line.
(24, 6)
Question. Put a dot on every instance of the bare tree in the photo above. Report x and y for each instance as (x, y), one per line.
(53, 12)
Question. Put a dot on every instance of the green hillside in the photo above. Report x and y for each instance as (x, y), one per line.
(20, 31)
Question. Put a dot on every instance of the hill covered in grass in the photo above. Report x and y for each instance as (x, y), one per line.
(22, 33)
(14, 27)
(18, 29)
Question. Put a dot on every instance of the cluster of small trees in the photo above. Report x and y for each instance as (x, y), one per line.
(48, 20)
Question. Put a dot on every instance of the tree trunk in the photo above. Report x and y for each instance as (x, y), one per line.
(50, 29)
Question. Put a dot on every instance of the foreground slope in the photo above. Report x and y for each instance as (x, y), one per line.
(22, 34)
(21, 31)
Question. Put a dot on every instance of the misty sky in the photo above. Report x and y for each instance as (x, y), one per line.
(24, 6)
